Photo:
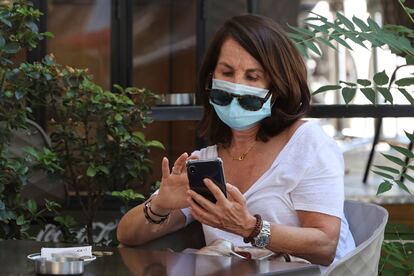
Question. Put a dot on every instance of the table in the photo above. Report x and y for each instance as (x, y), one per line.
(135, 261)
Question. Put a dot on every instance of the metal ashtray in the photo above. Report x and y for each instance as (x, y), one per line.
(59, 265)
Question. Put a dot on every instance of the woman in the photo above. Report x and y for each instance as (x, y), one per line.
(286, 192)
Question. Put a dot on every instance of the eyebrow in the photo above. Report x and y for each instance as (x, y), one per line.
(248, 70)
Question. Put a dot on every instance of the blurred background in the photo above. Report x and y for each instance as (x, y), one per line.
(159, 45)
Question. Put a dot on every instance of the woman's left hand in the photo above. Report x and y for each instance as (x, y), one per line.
(229, 214)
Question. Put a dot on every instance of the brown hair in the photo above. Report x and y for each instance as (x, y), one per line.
(266, 41)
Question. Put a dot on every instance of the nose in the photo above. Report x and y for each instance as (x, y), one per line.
(239, 78)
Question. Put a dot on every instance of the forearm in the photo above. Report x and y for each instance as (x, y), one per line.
(311, 244)
(133, 229)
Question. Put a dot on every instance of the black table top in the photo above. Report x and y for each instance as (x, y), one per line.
(135, 261)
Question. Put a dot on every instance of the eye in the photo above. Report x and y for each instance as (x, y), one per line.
(252, 77)
(227, 74)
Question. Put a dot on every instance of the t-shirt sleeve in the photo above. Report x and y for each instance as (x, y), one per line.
(321, 187)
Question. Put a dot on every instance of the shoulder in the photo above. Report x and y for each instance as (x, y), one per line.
(206, 153)
(310, 143)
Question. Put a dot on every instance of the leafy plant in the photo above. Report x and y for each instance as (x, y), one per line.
(397, 256)
(97, 145)
(319, 30)
(18, 31)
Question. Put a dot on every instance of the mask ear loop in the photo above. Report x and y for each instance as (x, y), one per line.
(272, 99)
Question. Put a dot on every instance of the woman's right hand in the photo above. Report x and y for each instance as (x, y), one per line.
(174, 185)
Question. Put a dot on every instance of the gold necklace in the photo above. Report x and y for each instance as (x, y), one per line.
(241, 157)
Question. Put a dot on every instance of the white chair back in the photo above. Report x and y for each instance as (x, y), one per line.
(367, 224)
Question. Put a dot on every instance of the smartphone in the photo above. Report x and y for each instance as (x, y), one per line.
(197, 170)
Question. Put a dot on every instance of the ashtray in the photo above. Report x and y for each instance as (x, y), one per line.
(60, 265)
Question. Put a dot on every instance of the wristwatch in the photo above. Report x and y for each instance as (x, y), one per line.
(263, 238)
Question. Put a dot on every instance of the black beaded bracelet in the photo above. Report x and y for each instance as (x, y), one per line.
(147, 207)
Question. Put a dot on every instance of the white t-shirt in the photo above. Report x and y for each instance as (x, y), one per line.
(306, 175)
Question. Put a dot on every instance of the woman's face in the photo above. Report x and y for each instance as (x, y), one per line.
(236, 65)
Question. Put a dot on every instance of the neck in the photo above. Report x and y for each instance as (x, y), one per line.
(244, 138)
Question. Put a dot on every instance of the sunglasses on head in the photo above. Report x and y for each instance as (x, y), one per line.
(248, 102)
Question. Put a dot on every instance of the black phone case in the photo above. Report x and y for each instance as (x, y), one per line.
(197, 170)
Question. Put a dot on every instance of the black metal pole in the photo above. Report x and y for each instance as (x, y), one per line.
(121, 42)
(252, 6)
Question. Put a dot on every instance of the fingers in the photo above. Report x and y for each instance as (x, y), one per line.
(193, 157)
(199, 213)
(165, 168)
(205, 203)
(180, 163)
(235, 193)
(215, 190)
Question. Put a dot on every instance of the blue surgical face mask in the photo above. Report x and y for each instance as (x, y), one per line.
(233, 114)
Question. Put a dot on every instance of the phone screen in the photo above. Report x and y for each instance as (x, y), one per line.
(197, 170)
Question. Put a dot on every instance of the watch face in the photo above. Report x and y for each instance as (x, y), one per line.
(262, 241)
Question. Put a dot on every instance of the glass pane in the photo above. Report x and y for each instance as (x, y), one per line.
(164, 38)
(82, 30)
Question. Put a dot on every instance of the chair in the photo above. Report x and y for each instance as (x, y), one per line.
(367, 224)
(40, 185)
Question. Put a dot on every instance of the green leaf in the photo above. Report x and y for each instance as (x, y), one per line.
(11, 48)
(407, 95)
(20, 220)
(361, 24)
(294, 36)
(410, 178)
(394, 159)
(386, 94)
(302, 50)
(103, 169)
(357, 39)
(118, 117)
(303, 31)
(409, 136)
(32, 151)
(381, 78)
(389, 169)
(404, 151)
(320, 28)
(313, 47)
(341, 41)
(155, 144)
(364, 82)
(409, 59)
(384, 175)
(348, 83)
(51, 205)
(373, 25)
(326, 42)
(2, 205)
(326, 88)
(348, 94)
(345, 21)
(369, 93)
(405, 82)
(384, 187)
(91, 172)
(32, 206)
(5, 21)
(402, 185)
